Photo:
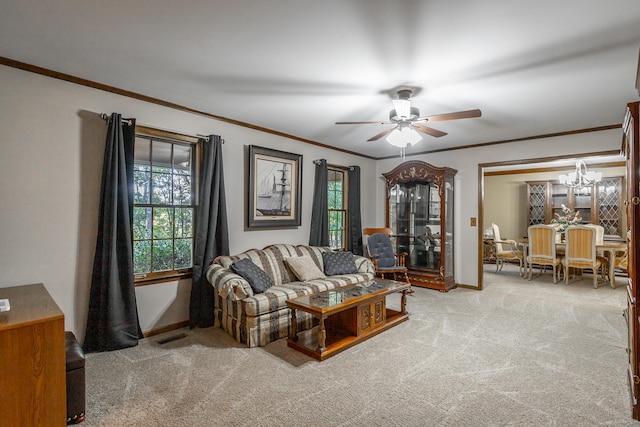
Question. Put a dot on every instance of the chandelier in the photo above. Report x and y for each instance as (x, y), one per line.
(581, 177)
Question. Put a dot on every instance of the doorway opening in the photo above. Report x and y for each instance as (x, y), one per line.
(502, 192)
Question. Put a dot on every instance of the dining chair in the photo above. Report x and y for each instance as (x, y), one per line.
(381, 252)
(542, 249)
(599, 238)
(622, 258)
(580, 253)
(599, 232)
(506, 250)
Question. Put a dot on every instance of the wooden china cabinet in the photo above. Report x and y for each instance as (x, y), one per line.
(420, 213)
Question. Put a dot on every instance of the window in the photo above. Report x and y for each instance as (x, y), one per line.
(163, 208)
(337, 192)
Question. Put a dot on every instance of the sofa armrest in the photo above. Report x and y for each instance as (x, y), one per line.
(228, 284)
(364, 264)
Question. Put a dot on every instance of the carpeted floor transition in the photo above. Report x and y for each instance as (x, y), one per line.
(518, 353)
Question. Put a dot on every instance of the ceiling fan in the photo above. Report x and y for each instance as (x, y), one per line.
(407, 118)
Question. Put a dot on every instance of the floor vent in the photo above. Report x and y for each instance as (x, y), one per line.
(170, 339)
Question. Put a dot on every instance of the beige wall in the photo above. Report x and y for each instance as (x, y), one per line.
(506, 204)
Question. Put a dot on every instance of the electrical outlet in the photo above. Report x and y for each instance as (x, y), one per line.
(473, 222)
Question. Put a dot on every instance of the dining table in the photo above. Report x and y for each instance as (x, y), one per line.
(609, 247)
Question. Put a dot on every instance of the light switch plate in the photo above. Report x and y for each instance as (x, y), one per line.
(4, 305)
(473, 222)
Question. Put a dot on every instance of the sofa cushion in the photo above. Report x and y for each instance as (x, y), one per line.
(329, 283)
(272, 300)
(304, 268)
(279, 252)
(336, 263)
(257, 278)
(315, 252)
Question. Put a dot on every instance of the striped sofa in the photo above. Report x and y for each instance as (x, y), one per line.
(256, 320)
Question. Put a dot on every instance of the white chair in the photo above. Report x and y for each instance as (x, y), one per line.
(506, 250)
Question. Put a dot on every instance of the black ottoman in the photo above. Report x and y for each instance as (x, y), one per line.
(75, 380)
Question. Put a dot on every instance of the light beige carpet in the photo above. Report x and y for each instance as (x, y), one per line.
(518, 353)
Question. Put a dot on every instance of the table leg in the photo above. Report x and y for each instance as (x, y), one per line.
(293, 331)
(322, 336)
(403, 302)
(525, 249)
(612, 263)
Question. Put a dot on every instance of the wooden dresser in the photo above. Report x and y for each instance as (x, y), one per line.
(32, 359)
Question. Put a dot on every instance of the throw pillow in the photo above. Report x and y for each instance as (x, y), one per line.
(339, 263)
(304, 268)
(257, 278)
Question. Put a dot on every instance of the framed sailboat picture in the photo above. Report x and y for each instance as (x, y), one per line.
(274, 183)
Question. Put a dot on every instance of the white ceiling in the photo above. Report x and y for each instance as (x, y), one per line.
(532, 67)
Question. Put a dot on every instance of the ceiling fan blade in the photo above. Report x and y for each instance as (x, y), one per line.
(452, 116)
(430, 131)
(383, 133)
(364, 123)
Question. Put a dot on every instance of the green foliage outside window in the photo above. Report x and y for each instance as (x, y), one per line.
(337, 210)
(163, 214)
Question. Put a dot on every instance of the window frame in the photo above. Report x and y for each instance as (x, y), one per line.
(151, 135)
(345, 204)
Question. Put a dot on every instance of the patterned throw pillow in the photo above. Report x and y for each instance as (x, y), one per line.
(304, 268)
(336, 263)
(257, 278)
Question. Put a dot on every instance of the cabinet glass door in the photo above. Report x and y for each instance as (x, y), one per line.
(559, 197)
(582, 203)
(399, 216)
(425, 218)
(537, 193)
(609, 215)
(448, 229)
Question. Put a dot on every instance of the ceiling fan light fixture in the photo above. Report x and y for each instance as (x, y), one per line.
(395, 116)
(409, 127)
(403, 136)
(402, 108)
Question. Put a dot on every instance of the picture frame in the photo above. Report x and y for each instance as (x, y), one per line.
(273, 188)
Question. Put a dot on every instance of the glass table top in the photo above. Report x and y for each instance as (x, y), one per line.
(334, 297)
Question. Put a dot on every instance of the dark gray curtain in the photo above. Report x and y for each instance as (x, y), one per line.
(212, 238)
(354, 237)
(112, 322)
(319, 235)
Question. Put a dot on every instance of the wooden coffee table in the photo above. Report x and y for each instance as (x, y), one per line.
(347, 316)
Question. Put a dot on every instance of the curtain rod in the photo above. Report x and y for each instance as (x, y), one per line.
(107, 117)
(317, 162)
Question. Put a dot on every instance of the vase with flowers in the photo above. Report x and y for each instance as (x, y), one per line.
(565, 219)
